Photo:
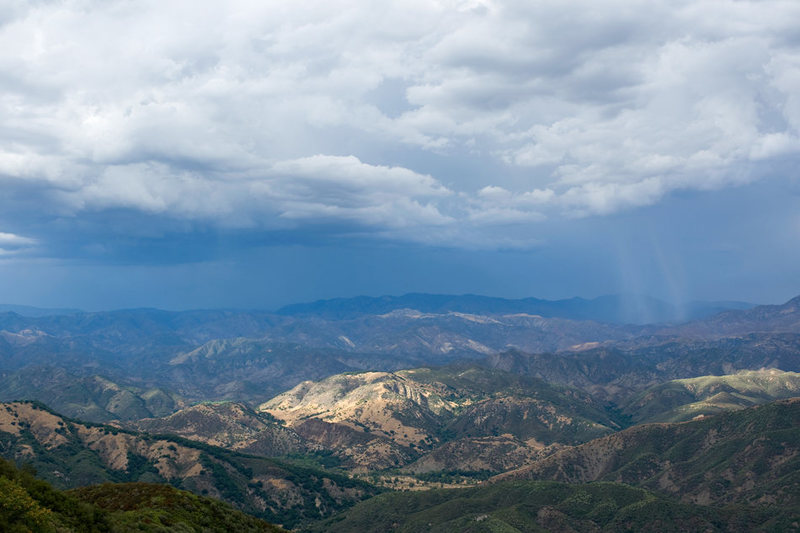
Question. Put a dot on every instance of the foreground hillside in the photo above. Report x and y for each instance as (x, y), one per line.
(546, 506)
(748, 456)
(71, 454)
(29, 504)
(159, 507)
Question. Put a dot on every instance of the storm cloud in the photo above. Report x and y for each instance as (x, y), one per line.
(466, 124)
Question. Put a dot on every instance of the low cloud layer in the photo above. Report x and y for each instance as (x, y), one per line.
(265, 116)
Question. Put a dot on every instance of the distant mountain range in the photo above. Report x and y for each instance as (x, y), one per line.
(617, 308)
(620, 309)
(27, 310)
(251, 356)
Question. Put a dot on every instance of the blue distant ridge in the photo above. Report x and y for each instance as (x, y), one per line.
(623, 309)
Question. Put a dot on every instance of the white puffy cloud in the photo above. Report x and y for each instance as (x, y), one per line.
(11, 244)
(9, 239)
(278, 115)
(317, 189)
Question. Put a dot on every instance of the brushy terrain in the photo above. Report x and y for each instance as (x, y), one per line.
(750, 456)
(70, 454)
(536, 506)
(32, 505)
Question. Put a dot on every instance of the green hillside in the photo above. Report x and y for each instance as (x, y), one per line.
(514, 507)
(748, 456)
(90, 398)
(685, 399)
(29, 504)
(156, 507)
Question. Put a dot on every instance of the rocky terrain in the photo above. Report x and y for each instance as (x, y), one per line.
(233, 426)
(384, 419)
(479, 455)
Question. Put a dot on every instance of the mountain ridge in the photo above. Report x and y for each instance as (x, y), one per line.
(749, 456)
(686, 399)
(388, 419)
(69, 453)
(615, 308)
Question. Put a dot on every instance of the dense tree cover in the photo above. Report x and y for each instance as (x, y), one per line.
(32, 505)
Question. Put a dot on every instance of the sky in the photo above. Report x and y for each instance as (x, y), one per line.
(251, 154)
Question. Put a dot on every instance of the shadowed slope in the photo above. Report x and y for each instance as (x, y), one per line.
(747, 456)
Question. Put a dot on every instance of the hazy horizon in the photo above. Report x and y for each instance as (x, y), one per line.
(639, 299)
